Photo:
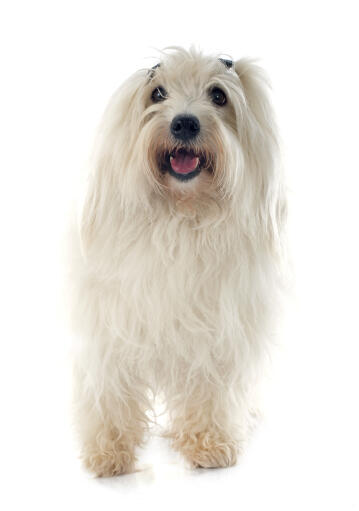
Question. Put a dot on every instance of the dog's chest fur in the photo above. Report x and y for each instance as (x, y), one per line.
(173, 275)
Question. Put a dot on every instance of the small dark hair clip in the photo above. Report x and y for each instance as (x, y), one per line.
(227, 63)
(151, 72)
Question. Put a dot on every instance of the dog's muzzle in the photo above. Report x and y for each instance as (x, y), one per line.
(185, 160)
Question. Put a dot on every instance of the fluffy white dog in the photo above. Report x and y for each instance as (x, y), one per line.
(180, 261)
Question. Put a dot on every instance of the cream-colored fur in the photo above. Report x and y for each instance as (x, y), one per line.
(176, 282)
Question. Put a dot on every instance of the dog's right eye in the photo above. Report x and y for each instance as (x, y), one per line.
(159, 94)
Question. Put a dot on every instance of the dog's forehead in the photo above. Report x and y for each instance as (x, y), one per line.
(184, 68)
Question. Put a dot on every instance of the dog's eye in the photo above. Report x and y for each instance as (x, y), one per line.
(218, 96)
(159, 94)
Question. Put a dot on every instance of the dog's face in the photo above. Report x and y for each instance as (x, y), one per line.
(190, 124)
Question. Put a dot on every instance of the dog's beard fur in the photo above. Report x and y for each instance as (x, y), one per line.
(177, 280)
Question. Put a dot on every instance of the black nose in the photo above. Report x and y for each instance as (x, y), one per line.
(185, 127)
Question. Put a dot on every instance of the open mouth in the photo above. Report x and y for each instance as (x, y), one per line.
(183, 164)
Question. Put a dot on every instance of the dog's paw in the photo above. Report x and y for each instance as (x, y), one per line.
(208, 449)
(109, 464)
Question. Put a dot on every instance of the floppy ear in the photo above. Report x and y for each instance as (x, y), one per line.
(261, 146)
(111, 160)
(259, 113)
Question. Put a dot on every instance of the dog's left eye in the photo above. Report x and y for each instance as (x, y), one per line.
(159, 94)
(218, 96)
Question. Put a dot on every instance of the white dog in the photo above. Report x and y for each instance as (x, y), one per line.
(180, 261)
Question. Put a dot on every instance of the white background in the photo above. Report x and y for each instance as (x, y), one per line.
(60, 61)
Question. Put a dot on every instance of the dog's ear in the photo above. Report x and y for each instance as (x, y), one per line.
(255, 86)
(111, 159)
(261, 145)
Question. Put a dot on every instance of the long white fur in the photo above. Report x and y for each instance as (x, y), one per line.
(177, 283)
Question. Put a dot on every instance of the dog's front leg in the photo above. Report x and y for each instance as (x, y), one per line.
(202, 425)
(111, 420)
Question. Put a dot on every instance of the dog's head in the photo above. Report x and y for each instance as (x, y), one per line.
(192, 127)
(189, 127)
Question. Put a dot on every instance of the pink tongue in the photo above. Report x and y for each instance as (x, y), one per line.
(183, 163)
